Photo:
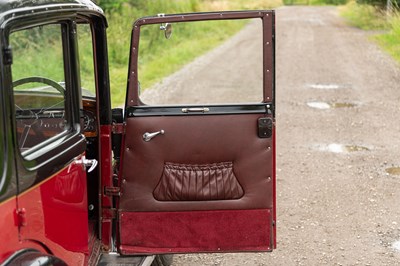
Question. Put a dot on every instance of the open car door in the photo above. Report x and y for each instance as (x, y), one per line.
(200, 177)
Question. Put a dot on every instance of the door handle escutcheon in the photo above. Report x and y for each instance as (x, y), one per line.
(148, 136)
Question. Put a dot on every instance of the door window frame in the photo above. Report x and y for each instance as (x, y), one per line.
(7, 177)
(56, 152)
(267, 17)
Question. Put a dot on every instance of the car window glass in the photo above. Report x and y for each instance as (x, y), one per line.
(38, 84)
(201, 62)
(85, 45)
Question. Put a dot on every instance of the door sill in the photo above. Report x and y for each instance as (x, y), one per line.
(116, 259)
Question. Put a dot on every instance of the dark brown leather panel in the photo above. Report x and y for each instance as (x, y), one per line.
(194, 140)
(186, 182)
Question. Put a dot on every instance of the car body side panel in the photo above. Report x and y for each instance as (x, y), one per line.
(55, 214)
(9, 232)
(51, 218)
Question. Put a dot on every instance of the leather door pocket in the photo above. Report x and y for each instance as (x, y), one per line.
(198, 182)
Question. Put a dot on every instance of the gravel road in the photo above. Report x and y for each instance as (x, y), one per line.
(338, 130)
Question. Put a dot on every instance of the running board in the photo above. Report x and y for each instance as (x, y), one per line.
(113, 259)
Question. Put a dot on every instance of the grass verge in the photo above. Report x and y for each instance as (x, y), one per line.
(314, 2)
(368, 17)
(364, 16)
(390, 41)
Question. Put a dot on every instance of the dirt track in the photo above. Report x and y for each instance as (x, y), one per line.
(336, 205)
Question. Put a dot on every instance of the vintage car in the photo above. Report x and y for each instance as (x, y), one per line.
(84, 184)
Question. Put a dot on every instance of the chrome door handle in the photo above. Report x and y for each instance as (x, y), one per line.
(93, 164)
(195, 109)
(85, 163)
(148, 136)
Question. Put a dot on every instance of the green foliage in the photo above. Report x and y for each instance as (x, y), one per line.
(365, 17)
(379, 3)
(110, 5)
(122, 14)
(38, 52)
(120, 22)
(159, 57)
(390, 41)
(314, 2)
(35, 54)
(86, 57)
(370, 17)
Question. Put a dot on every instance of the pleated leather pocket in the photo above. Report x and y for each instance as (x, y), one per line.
(185, 182)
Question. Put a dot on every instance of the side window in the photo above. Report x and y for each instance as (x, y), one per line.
(199, 62)
(39, 84)
(86, 59)
(88, 84)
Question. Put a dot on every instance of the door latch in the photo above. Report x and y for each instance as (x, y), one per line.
(148, 136)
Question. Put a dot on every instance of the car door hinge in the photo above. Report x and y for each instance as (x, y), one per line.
(109, 213)
(118, 128)
(20, 217)
(112, 191)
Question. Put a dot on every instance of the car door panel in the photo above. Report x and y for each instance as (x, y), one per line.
(191, 143)
(206, 176)
(205, 180)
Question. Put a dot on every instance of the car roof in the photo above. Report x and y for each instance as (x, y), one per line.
(11, 7)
